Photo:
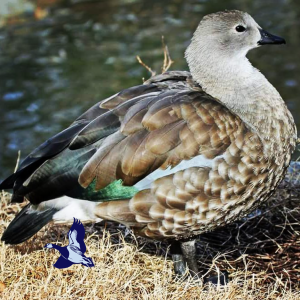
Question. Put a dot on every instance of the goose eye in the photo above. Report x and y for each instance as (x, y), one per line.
(240, 28)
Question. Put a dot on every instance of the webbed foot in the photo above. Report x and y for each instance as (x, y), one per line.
(222, 278)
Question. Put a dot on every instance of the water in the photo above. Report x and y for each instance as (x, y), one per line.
(53, 69)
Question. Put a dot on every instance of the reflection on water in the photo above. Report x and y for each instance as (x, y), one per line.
(66, 55)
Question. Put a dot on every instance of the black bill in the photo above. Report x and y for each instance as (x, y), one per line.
(268, 38)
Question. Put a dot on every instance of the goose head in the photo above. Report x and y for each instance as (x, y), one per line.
(48, 246)
(217, 57)
(229, 33)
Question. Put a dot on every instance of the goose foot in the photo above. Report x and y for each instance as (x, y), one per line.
(184, 258)
(221, 278)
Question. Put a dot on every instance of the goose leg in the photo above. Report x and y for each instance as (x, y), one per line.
(177, 257)
(184, 256)
(188, 249)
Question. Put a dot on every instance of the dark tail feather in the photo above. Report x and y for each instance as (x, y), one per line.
(88, 262)
(26, 224)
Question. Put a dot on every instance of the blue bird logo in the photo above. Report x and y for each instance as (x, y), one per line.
(74, 252)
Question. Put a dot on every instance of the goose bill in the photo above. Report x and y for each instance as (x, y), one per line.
(268, 38)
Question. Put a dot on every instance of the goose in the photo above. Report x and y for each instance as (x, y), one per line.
(182, 154)
(74, 252)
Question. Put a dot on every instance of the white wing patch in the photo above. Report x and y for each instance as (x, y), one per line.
(70, 208)
(73, 238)
(197, 161)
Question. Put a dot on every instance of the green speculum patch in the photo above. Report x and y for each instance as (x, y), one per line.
(114, 191)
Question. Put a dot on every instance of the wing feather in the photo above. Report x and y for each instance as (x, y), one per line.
(165, 139)
(90, 170)
(100, 127)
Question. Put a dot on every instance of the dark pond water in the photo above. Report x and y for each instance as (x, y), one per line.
(53, 69)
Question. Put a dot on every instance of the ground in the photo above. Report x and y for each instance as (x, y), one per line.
(261, 254)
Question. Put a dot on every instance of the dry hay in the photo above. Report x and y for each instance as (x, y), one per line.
(261, 254)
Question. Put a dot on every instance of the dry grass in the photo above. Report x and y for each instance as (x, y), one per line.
(125, 271)
(261, 254)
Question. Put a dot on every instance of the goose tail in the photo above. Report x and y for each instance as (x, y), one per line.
(88, 262)
(28, 222)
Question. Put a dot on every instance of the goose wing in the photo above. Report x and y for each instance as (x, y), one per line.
(158, 131)
(76, 236)
(165, 123)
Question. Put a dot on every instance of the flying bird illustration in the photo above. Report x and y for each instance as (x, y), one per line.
(74, 252)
